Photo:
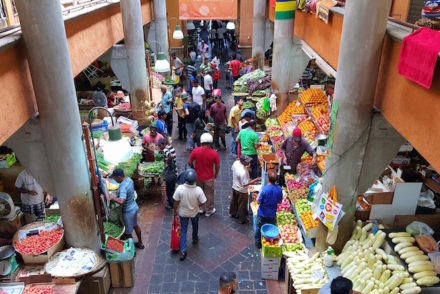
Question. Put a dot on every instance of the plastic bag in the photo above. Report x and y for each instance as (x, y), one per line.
(175, 234)
(426, 199)
(417, 228)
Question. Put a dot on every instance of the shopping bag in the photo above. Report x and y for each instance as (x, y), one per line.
(175, 234)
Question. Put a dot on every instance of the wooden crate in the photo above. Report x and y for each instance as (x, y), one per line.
(98, 283)
(122, 274)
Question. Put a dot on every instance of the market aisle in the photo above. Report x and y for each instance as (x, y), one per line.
(224, 245)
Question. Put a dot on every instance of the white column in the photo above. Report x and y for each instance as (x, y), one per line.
(259, 28)
(161, 26)
(359, 58)
(46, 45)
(135, 50)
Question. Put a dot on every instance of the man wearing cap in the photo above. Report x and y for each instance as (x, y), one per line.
(161, 123)
(240, 182)
(206, 162)
(125, 198)
(167, 107)
(294, 147)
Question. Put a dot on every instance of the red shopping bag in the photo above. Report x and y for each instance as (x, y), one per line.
(175, 234)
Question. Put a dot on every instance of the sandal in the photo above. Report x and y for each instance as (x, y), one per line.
(139, 245)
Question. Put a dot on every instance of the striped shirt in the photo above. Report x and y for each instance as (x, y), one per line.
(170, 151)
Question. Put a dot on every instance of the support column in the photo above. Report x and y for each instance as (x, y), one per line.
(288, 59)
(259, 28)
(44, 36)
(359, 56)
(161, 27)
(135, 50)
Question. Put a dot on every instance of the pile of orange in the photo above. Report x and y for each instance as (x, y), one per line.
(313, 96)
(267, 243)
(318, 110)
(308, 221)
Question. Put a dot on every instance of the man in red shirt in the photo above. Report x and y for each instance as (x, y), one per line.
(207, 166)
(218, 113)
(234, 67)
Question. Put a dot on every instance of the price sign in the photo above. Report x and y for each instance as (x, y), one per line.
(328, 211)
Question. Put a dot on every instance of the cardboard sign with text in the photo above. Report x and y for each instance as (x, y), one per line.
(329, 211)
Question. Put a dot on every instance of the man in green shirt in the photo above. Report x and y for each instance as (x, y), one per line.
(249, 141)
(205, 67)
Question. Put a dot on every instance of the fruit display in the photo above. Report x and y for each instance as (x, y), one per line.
(292, 183)
(323, 124)
(277, 141)
(302, 205)
(372, 270)
(313, 96)
(287, 128)
(289, 233)
(294, 108)
(418, 262)
(267, 243)
(297, 119)
(39, 243)
(307, 220)
(306, 272)
(293, 247)
(38, 289)
(285, 217)
(284, 205)
(297, 194)
(114, 244)
(319, 110)
(308, 130)
(271, 122)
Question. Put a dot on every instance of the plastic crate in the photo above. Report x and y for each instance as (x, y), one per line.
(271, 252)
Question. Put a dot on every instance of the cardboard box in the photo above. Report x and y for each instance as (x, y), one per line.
(122, 274)
(98, 283)
(380, 198)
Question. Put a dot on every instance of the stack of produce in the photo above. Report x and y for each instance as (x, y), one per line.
(371, 269)
(289, 233)
(248, 105)
(287, 128)
(38, 289)
(130, 165)
(323, 124)
(268, 243)
(102, 163)
(418, 262)
(260, 85)
(293, 247)
(253, 76)
(308, 130)
(313, 96)
(155, 168)
(113, 230)
(284, 205)
(296, 194)
(271, 122)
(306, 272)
(308, 221)
(260, 93)
(240, 89)
(319, 110)
(292, 183)
(299, 119)
(302, 205)
(285, 217)
(39, 243)
(294, 108)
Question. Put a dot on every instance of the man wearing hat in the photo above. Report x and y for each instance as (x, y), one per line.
(240, 182)
(294, 147)
(125, 198)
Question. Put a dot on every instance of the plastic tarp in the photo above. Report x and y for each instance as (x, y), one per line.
(207, 9)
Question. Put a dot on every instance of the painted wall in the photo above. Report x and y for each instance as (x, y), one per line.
(400, 9)
(246, 14)
(89, 36)
(173, 20)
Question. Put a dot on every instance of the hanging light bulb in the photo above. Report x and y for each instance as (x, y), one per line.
(117, 149)
(162, 64)
(178, 34)
(190, 26)
(230, 25)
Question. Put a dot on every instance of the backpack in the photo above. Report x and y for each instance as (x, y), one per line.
(193, 109)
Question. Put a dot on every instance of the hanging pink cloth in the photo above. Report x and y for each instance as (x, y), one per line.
(418, 56)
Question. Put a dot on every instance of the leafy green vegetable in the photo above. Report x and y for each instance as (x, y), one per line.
(112, 229)
(52, 218)
(248, 104)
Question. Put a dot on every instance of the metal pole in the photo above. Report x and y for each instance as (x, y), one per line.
(359, 56)
(161, 28)
(135, 49)
(259, 28)
(44, 36)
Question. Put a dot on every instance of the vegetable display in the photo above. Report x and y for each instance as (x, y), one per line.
(267, 243)
(248, 105)
(40, 243)
(155, 168)
(293, 247)
(285, 217)
(38, 289)
(252, 76)
(52, 218)
(130, 165)
(112, 229)
(306, 272)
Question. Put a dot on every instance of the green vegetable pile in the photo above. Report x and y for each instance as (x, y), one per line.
(112, 229)
(248, 104)
(102, 163)
(261, 113)
(130, 165)
(158, 155)
(156, 168)
(241, 89)
(52, 218)
(252, 76)
(260, 93)
(293, 247)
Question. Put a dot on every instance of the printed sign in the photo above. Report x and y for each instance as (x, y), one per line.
(329, 211)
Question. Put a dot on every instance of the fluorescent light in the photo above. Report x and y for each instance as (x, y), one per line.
(230, 25)
(162, 64)
(117, 149)
(178, 34)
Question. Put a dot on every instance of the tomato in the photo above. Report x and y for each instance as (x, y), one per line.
(37, 244)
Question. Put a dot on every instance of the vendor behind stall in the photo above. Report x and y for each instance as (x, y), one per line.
(125, 198)
(150, 141)
(32, 198)
(294, 147)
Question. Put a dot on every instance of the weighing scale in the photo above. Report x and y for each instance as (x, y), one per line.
(7, 208)
(8, 263)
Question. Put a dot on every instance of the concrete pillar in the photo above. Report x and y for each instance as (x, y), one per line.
(135, 51)
(259, 28)
(288, 59)
(161, 27)
(359, 58)
(46, 45)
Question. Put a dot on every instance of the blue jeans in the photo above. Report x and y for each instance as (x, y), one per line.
(233, 143)
(184, 228)
(190, 131)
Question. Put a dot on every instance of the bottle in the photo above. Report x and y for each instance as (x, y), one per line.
(375, 227)
(328, 258)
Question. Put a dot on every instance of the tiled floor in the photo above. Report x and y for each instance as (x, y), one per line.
(224, 244)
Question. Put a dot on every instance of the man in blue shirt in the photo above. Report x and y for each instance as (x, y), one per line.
(162, 123)
(269, 197)
(125, 198)
(167, 107)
